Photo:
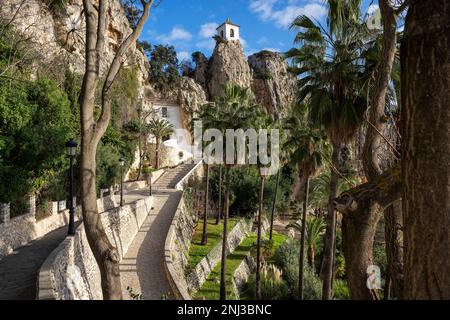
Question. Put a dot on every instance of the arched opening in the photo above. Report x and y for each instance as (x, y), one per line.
(232, 33)
(221, 34)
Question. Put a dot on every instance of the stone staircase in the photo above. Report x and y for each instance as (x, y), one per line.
(172, 176)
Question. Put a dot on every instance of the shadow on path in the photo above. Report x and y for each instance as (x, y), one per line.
(19, 270)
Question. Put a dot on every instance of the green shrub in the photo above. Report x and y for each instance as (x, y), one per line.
(313, 285)
(379, 257)
(287, 257)
(340, 290)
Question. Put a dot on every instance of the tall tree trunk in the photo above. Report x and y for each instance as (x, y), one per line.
(258, 243)
(358, 232)
(205, 207)
(223, 268)
(272, 217)
(330, 233)
(301, 273)
(92, 130)
(393, 233)
(219, 211)
(104, 252)
(361, 208)
(372, 142)
(158, 143)
(311, 255)
(425, 59)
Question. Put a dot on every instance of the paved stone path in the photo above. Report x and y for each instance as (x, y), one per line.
(142, 268)
(18, 271)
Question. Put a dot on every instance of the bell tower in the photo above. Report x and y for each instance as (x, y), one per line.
(228, 30)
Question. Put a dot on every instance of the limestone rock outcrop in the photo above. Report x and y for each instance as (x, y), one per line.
(201, 69)
(186, 92)
(58, 35)
(228, 63)
(273, 85)
(191, 95)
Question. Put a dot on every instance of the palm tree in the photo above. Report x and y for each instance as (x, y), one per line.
(333, 80)
(233, 110)
(159, 128)
(307, 148)
(315, 228)
(266, 122)
(219, 208)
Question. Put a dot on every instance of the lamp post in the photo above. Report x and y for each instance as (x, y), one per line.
(122, 164)
(71, 152)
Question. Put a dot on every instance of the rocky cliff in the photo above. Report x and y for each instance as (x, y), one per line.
(266, 73)
(228, 63)
(57, 34)
(273, 85)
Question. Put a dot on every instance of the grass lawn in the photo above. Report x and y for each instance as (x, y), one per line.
(211, 288)
(214, 234)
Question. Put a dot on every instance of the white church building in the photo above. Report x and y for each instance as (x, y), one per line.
(228, 30)
(177, 147)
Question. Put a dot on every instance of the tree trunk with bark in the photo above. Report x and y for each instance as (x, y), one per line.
(393, 231)
(92, 130)
(301, 264)
(359, 225)
(223, 269)
(219, 211)
(205, 207)
(311, 256)
(425, 65)
(272, 217)
(258, 243)
(330, 233)
(358, 231)
(158, 144)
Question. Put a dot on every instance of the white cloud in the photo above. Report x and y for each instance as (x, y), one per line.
(208, 30)
(183, 55)
(272, 49)
(263, 40)
(207, 44)
(243, 42)
(177, 34)
(283, 13)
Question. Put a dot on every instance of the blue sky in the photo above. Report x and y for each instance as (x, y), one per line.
(190, 24)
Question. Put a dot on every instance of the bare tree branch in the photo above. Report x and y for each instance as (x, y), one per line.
(105, 115)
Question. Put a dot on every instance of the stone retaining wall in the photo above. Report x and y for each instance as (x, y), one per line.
(19, 231)
(246, 267)
(203, 269)
(242, 273)
(71, 272)
(176, 250)
(179, 238)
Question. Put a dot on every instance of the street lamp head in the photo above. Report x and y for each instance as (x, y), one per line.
(71, 147)
(122, 161)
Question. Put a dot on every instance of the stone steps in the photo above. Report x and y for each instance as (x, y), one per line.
(172, 176)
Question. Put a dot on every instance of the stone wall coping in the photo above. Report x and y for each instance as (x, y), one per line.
(180, 292)
(179, 185)
(45, 288)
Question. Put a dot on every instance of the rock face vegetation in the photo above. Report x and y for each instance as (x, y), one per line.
(359, 207)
